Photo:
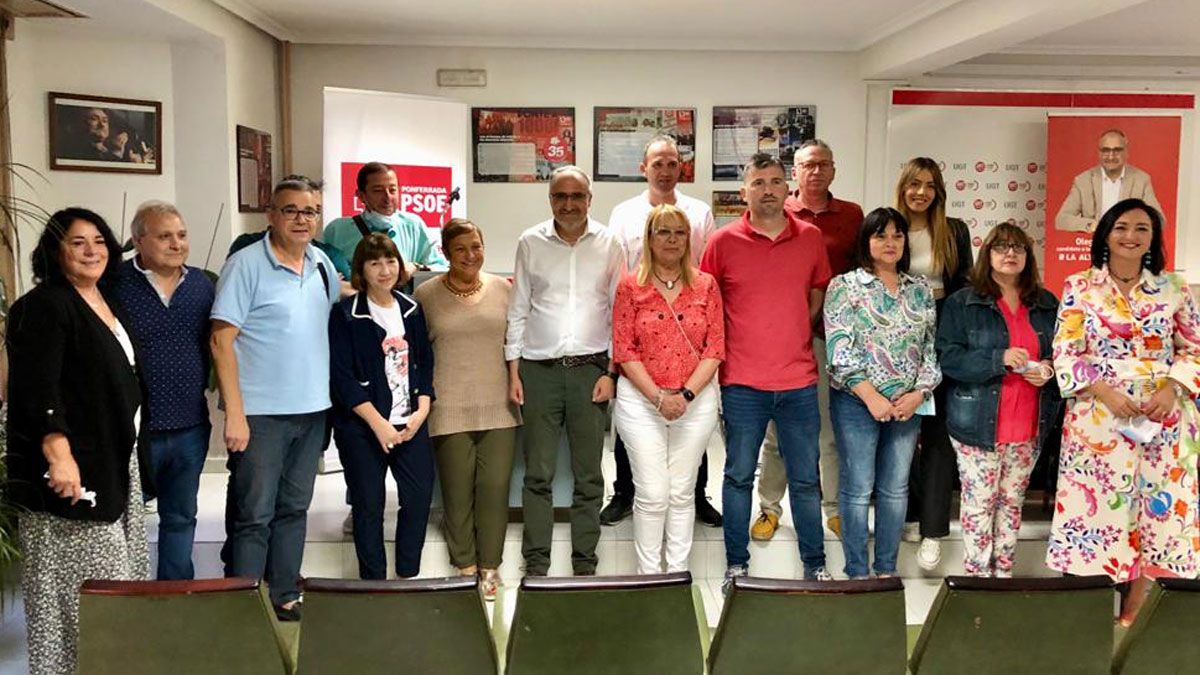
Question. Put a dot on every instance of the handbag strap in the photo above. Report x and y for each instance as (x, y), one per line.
(682, 331)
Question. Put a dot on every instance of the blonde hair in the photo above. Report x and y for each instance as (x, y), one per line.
(945, 252)
(661, 215)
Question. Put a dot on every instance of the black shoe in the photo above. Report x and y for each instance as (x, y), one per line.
(708, 515)
(289, 613)
(619, 508)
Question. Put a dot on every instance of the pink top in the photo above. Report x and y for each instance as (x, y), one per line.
(765, 285)
(645, 331)
(1017, 419)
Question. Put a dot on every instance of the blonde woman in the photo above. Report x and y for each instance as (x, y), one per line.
(668, 339)
(941, 252)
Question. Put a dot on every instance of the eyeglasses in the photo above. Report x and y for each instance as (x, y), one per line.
(1112, 151)
(571, 196)
(668, 234)
(815, 166)
(1008, 247)
(293, 213)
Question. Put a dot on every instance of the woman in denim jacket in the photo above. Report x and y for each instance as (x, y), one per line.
(994, 346)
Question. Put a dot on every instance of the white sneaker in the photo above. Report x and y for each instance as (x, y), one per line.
(911, 533)
(821, 574)
(929, 555)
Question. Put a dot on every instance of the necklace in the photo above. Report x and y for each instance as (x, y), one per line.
(462, 294)
(1126, 279)
(670, 284)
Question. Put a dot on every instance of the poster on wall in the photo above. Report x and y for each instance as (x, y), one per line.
(727, 206)
(424, 191)
(521, 145)
(1141, 152)
(102, 133)
(621, 135)
(741, 131)
(254, 170)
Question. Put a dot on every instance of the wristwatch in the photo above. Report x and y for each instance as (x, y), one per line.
(612, 374)
(688, 394)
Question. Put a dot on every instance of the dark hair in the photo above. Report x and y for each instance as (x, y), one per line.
(369, 169)
(314, 185)
(875, 223)
(456, 227)
(763, 160)
(46, 259)
(374, 246)
(1028, 283)
(1158, 257)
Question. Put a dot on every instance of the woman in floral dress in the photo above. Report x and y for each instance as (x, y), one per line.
(1127, 350)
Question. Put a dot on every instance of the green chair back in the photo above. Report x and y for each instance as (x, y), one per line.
(1003, 626)
(215, 626)
(1163, 637)
(606, 625)
(773, 626)
(403, 626)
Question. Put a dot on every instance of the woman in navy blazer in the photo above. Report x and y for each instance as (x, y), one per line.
(381, 378)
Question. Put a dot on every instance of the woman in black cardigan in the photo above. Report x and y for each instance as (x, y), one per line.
(381, 378)
(74, 397)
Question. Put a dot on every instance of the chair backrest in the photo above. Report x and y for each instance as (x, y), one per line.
(985, 626)
(1163, 637)
(603, 625)
(209, 626)
(405, 626)
(828, 627)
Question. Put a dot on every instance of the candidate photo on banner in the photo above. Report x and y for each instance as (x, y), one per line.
(1092, 162)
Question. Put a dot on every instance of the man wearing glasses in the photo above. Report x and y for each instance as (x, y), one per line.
(813, 170)
(559, 368)
(1095, 191)
(273, 298)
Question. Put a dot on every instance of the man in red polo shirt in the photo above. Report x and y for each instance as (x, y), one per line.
(838, 221)
(772, 270)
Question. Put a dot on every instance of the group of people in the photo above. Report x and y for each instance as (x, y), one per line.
(871, 353)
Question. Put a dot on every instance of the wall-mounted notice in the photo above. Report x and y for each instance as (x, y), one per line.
(727, 206)
(521, 145)
(621, 135)
(741, 131)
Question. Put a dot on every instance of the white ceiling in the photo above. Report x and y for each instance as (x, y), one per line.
(1158, 27)
(808, 25)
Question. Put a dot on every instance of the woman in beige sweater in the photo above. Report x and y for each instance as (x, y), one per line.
(472, 422)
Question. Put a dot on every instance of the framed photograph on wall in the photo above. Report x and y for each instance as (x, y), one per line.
(741, 131)
(621, 135)
(521, 145)
(102, 133)
(254, 170)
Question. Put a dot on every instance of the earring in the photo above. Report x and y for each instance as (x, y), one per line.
(1146, 260)
(1104, 256)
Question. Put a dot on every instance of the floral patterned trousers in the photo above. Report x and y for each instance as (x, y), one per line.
(993, 491)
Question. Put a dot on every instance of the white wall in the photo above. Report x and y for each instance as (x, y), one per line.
(43, 59)
(583, 79)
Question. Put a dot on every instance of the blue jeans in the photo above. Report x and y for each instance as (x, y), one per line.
(272, 486)
(176, 460)
(874, 457)
(798, 421)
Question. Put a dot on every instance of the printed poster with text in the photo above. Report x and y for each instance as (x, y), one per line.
(741, 131)
(622, 134)
(424, 191)
(1073, 155)
(521, 145)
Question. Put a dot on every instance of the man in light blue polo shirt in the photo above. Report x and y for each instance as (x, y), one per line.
(379, 191)
(270, 345)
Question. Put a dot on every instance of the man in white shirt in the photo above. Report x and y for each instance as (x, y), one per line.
(661, 166)
(1095, 191)
(560, 370)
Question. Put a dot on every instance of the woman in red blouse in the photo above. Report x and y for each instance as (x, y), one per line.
(668, 338)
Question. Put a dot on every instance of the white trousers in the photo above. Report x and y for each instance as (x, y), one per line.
(664, 457)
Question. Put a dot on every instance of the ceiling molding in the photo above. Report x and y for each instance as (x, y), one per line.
(906, 20)
(1096, 50)
(253, 16)
(610, 44)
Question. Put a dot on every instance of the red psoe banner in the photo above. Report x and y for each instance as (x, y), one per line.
(1073, 156)
(423, 190)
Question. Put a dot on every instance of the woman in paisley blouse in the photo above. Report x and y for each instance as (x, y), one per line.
(879, 328)
(1127, 352)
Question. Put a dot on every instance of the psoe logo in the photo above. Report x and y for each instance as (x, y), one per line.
(977, 242)
(1032, 167)
(963, 185)
(982, 166)
(1030, 204)
(980, 204)
(1014, 185)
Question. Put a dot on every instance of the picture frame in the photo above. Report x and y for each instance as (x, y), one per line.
(254, 170)
(104, 133)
